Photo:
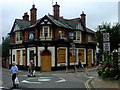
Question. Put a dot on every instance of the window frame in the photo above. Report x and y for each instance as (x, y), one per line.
(48, 30)
(18, 36)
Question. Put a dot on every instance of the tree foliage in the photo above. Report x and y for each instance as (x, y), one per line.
(114, 32)
(5, 47)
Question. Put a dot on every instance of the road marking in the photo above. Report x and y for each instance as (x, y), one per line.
(25, 81)
(1, 87)
(62, 80)
(42, 80)
(45, 77)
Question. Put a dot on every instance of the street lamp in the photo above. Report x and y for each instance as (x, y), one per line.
(45, 34)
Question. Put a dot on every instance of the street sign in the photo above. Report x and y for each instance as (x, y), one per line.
(73, 49)
(105, 37)
(106, 46)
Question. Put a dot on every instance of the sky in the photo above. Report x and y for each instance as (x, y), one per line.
(97, 11)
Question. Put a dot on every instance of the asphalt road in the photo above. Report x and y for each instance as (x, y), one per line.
(46, 80)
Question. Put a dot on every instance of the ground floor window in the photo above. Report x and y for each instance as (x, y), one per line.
(61, 55)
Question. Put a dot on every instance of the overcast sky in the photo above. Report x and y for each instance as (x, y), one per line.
(97, 11)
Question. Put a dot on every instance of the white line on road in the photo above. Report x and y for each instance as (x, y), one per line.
(1, 88)
(61, 80)
(44, 80)
(25, 81)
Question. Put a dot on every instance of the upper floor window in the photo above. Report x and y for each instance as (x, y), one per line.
(61, 35)
(46, 32)
(71, 35)
(31, 36)
(89, 38)
(77, 35)
(18, 36)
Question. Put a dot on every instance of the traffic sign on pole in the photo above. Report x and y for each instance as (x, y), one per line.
(106, 46)
(105, 37)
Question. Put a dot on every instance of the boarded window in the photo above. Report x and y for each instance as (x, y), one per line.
(81, 55)
(61, 55)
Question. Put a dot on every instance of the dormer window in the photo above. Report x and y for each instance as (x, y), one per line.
(18, 36)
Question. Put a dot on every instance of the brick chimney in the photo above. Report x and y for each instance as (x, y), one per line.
(83, 18)
(33, 13)
(56, 11)
(26, 16)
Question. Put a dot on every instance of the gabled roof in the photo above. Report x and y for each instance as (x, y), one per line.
(63, 23)
(54, 21)
(73, 23)
(22, 24)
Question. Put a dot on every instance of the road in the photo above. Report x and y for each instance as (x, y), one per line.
(47, 80)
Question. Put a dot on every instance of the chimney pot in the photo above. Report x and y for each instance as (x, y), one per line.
(83, 18)
(26, 16)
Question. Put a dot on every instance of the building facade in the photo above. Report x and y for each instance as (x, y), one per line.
(52, 42)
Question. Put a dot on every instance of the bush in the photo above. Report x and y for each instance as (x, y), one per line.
(106, 69)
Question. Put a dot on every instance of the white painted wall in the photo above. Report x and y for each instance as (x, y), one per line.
(52, 50)
(40, 49)
(14, 52)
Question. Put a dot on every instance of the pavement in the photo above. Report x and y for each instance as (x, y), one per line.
(96, 82)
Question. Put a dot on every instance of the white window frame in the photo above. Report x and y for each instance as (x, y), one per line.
(42, 32)
(18, 36)
(77, 36)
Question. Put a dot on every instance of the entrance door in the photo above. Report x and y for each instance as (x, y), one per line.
(89, 57)
(18, 57)
(46, 60)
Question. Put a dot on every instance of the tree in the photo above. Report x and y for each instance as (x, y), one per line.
(113, 30)
(5, 47)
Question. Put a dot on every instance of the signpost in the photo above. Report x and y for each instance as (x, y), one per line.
(106, 42)
(74, 54)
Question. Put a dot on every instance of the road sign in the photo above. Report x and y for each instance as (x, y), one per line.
(105, 37)
(106, 46)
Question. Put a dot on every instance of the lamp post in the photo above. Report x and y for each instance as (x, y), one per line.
(45, 41)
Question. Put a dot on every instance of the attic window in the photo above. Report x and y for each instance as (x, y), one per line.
(18, 36)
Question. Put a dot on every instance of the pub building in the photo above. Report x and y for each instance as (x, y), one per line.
(52, 42)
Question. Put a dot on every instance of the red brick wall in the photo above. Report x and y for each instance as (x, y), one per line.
(26, 35)
(36, 33)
